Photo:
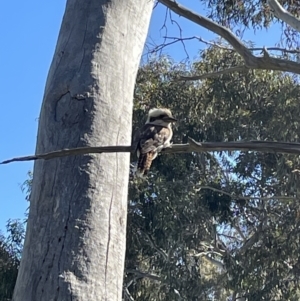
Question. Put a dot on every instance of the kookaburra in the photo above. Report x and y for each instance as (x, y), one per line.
(155, 135)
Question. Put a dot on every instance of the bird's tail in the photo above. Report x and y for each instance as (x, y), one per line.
(144, 164)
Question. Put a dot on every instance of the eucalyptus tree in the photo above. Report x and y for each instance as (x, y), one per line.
(75, 239)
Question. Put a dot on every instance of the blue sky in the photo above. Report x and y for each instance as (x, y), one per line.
(29, 31)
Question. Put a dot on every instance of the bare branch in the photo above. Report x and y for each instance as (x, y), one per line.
(176, 39)
(275, 197)
(251, 61)
(227, 46)
(254, 237)
(208, 24)
(191, 146)
(164, 44)
(213, 261)
(230, 237)
(252, 240)
(292, 51)
(262, 146)
(213, 74)
(128, 295)
(239, 231)
(143, 274)
(151, 242)
(284, 15)
(242, 68)
(73, 152)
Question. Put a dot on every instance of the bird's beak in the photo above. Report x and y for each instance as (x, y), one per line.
(169, 119)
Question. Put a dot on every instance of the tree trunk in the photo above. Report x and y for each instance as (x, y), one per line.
(75, 240)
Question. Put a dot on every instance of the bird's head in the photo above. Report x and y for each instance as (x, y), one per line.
(160, 116)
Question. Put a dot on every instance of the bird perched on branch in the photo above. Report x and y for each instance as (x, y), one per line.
(155, 135)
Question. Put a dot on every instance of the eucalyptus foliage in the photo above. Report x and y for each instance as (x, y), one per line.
(11, 247)
(217, 225)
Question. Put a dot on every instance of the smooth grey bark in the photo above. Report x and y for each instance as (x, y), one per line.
(284, 15)
(75, 240)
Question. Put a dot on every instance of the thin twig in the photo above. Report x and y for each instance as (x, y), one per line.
(239, 231)
(251, 61)
(128, 295)
(252, 240)
(151, 242)
(242, 68)
(224, 47)
(275, 197)
(143, 274)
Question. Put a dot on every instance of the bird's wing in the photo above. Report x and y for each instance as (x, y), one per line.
(151, 137)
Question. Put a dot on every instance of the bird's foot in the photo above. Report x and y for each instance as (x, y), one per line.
(169, 145)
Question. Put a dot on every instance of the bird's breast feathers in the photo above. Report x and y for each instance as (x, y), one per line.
(154, 138)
